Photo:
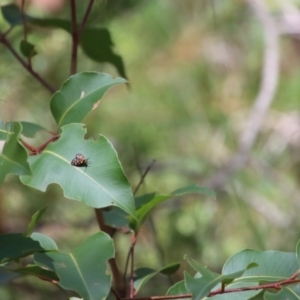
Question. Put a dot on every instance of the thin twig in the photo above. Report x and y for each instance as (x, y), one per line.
(143, 176)
(133, 242)
(75, 40)
(269, 82)
(85, 17)
(7, 44)
(25, 30)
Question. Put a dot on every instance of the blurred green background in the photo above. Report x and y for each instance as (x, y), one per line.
(194, 68)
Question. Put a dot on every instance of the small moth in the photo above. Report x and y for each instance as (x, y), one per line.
(80, 161)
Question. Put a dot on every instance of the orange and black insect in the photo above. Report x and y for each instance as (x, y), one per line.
(80, 161)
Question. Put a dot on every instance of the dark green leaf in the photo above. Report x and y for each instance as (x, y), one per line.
(12, 14)
(27, 49)
(16, 245)
(38, 272)
(85, 269)
(34, 220)
(101, 184)
(14, 157)
(30, 129)
(79, 94)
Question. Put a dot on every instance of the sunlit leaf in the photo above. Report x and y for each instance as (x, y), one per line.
(13, 159)
(78, 95)
(85, 269)
(101, 184)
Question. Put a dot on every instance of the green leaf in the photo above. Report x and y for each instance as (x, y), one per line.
(45, 241)
(34, 220)
(25, 246)
(272, 265)
(14, 157)
(30, 129)
(285, 293)
(12, 14)
(101, 184)
(143, 275)
(78, 95)
(37, 272)
(201, 287)
(150, 204)
(5, 130)
(84, 269)
(27, 49)
(178, 289)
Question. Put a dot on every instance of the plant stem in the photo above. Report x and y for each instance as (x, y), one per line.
(85, 17)
(25, 29)
(7, 44)
(144, 175)
(75, 40)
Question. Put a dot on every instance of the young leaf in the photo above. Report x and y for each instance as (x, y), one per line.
(34, 220)
(143, 275)
(14, 157)
(272, 265)
(78, 95)
(84, 269)
(25, 246)
(27, 49)
(30, 129)
(150, 204)
(101, 184)
(201, 287)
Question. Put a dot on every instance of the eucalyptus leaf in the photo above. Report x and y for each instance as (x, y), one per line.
(79, 94)
(102, 183)
(13, 159)
(84, 270)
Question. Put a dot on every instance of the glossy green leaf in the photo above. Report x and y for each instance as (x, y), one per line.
(38, 272)
(25, 246)
(30, 129)
(85, 269)
(45, 241)
(201, 287)
(27, 49)
(101, 184)
(78, 95)
(34, 220)
(285, 294)
(13, 159)
(272, 265)
(150, 204)
(143, 275)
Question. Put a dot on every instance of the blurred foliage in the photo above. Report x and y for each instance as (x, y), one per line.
(194, 69)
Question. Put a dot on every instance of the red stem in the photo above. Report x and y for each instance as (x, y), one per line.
(41, 148)
(133, 242)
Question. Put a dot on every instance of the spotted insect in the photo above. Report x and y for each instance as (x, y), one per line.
(80, 161)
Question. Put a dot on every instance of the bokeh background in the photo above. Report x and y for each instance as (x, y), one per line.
(204, 75)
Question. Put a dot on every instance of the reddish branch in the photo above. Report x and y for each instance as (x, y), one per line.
(35, 151)
(275, 285)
